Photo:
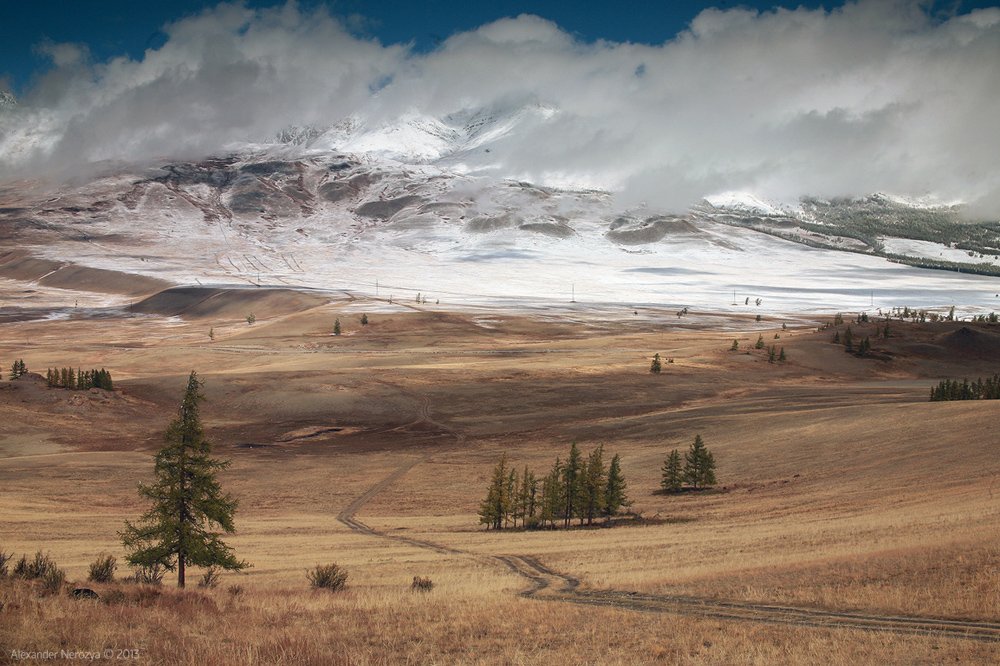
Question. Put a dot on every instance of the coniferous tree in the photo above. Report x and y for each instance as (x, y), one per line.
(673, 473)
(336, 327)
(655, 366)
(364, 320)
(494, 507)
(526, 498)
(594, 482)
(70, 379)
(760, 342)
(616, 491)
(510, 493)
(848, 340)
(781, 356)
(552, 495)
(699, 465)
(571, 477)
(187, 501)
(735, 346)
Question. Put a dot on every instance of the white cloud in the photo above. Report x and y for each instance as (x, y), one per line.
(876, 95)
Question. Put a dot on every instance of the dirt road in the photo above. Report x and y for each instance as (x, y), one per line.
(553, 586)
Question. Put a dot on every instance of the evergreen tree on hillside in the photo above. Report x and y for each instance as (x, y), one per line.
(526, 498)
(673, 473)
(655, 365)
(616, 491)
(594, 482)
(495, 506)
(571, 473)
(336, 327)
(552, 495)
(187, 501)
(699, 465)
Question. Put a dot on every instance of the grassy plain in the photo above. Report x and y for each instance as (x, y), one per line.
(840, 486)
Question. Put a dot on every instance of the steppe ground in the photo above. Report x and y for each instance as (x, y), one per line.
(840, 486)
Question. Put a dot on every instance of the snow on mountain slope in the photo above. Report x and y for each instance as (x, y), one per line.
(300, 216)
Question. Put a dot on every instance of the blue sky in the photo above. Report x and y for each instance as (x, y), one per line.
(112, 28)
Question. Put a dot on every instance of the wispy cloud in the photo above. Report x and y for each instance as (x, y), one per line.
(876, 95)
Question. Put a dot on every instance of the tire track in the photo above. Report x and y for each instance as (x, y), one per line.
(549, 585)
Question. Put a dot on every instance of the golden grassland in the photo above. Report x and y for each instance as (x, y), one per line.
(841, 487)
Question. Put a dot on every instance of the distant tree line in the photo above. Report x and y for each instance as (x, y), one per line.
(582, 489)
(79, 380)
(951, 389)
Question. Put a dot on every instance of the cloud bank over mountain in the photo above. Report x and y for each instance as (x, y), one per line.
(873, 96)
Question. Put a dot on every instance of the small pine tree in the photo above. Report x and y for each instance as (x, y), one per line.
(655, 366)
(781, 356)
(771, 355)
(572, 473)
(836, 338)
(758, 318)
(699, 465)
(760, 342)
(848, 340)
(251, 318)
(673, 474)
(211, 334)
(336, 327)
(735, 346)
(364, 320)
(616, 491)
(594, 484)
(495, 506)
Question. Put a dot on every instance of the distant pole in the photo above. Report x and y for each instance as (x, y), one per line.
(573, 292)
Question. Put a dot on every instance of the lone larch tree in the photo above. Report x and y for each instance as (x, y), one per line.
(187, 502)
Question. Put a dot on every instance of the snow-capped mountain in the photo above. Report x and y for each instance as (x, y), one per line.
(415, 203)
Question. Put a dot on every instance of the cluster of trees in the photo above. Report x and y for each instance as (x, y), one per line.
(80, 380)
(18, 368)
(697, 470)
(579, 488)
(991, 318)
(949, 389)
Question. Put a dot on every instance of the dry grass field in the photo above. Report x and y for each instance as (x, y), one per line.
(842, 490)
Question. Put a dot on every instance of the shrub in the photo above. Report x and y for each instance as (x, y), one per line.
(53, 580)
(102, 570)
(151, 575)
(422, 584)
(327, 577)
(235, 590)
(210, 579)
(35, 568)
(4, 561)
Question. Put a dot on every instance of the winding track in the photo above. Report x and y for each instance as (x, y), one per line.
(553, 586)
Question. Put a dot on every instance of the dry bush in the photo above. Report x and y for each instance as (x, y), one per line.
(53, 580)
(422, 584)
(36, 568)
(102, 570)
(327, 577)
(4, 561)
(235, 590)
(151, 575)
(210, 579)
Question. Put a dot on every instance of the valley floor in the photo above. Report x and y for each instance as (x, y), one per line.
(854, 521)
